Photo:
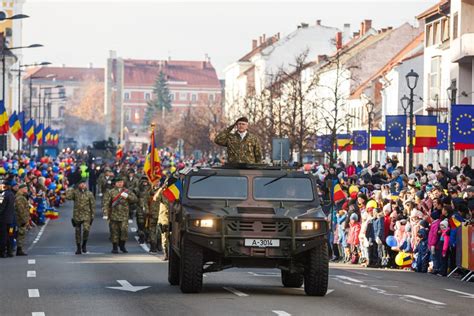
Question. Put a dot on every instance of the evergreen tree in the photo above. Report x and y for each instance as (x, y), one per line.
(161, 101)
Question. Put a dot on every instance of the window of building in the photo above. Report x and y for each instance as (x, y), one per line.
(62, 92)
(193, 97)
(455, 25)
(128, 114)
(435, 77)
(147, 96)
(445, 30)
(126, 96)
(171, 97)
(428, 32)
(436, 33)
(183, 96)
(211, 97)
(34, 92)
(61, 111)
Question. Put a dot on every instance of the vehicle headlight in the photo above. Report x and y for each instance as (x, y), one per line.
(309, 225)
(204, 223)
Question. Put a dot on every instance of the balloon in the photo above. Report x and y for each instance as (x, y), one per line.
(32, 164)
(62, 165)
(52, 186)
(61, 177)
(2, 170)
(403, 259)
(37, 173)
(47, 182)
(56, 177)
(44, 173)
(372, 204)
(14, 172)
(21, 171)
(59, 186)
(55, 169)
(353, 188)
(391, 241)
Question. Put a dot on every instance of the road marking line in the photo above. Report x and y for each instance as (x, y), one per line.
(31, 261)
(327, 293)
(234, 291)
(356, 272)
(264, 274)
(37, 239)
(281, 313)
(31, 274)
(467, 295)
(348, 278)
(33, 293)
(38, 314)
(424, 299)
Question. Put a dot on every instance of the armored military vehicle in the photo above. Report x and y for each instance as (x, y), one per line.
(252, 217)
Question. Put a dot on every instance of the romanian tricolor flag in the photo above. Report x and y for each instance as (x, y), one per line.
(173, 191)
(426, 131)
(30, 131)
(51, 213)
(47, 135)
(56, 138)
(463, 146)
(39, 134)
(15, 126)
(152, 167)
(4, 124)
(344, 142)
(377, 140)
(21, 118)
(416, 149)
(338, 194)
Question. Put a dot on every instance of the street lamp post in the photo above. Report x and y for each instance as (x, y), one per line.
(452, 92)
(405, 102)
(370, 111)
(412, 80)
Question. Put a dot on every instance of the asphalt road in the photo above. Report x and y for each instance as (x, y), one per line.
(52, 280)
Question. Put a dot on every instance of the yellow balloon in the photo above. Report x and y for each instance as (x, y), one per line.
(403, 259)
(353, 188)
(2, 170)
(21, 171)
(372, 204)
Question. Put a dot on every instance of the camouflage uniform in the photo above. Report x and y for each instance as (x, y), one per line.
(246, 150)
(163, 221)
(152, 208)
(117, 213)
(83, 213)
(22, 210)
(132, 184)
(104, 182)
(143, 200)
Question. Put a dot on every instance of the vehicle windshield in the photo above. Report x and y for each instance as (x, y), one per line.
(218, 187)
(285, 189)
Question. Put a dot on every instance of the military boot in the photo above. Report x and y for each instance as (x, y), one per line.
(114, 248)
(122, 247)
(141, 239)
(84, 248)
(153, 248)
(19, 252)
(78, 251)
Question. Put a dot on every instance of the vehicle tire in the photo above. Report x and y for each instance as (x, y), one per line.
(316, 272)
(173, 267)
(191, 264)
(291, 279)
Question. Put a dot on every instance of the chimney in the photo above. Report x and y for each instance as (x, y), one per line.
(254, 44)
(260, 40)
(264, 37)
(203, 65)
(318, 22)
(355, 34)
(338, 40)
(304, 25)
(367, 24)
(91, 65)
(278, 35)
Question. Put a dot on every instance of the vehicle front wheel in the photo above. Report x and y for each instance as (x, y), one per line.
(316, 272)
(190, 274)
(173, 267)
(291, 279)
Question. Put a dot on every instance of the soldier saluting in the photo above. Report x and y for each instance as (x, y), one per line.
(83, 213)
(242, 146)
(116, 207)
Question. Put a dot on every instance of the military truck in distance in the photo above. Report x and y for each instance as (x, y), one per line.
(252, 217)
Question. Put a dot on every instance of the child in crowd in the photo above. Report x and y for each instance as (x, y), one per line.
(353, 238)
(421, 252)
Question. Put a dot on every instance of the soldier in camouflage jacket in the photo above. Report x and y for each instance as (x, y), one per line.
(242, 146)
(22, 210)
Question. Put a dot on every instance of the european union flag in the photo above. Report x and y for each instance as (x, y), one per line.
(393, 149)
(462, 123)
(395, 125)
(360, 140)
(323, 143)
(442, 136)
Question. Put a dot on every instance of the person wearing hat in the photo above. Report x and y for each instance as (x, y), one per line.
(105, 181)
(132, 183)
(116, 208)
(22, 210)
(83, 213)
(144, 189)
(242, 146)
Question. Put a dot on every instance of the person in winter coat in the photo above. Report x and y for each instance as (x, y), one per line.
(351, 169)
(422, 252)
(7, 217)
(443, 247)
(341, 233)
(433, 238)
(353, 237)
(379, 223)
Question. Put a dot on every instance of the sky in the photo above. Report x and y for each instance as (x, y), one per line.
(81, 32)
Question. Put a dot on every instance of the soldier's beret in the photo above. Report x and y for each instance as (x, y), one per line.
(243, 119)
(118, 178)
(21, 186)
(82, 181)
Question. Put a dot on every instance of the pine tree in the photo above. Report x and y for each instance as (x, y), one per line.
(162, 100)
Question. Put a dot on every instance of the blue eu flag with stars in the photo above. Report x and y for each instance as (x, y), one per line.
(323, 143)
(360, 140)
(396, 125)
(442, 136)
(462, 123)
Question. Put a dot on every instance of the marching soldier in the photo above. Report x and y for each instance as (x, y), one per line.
(152, 209)
(83, 213)
(132, 185)
(143, 193)
(116, 208)
(242, 146)
(22, 209)
(163, 221)
(105, 181)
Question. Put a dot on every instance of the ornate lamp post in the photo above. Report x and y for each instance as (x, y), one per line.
(412, 81)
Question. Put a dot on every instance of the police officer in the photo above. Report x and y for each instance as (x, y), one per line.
(242, 146)
(116, 207)
(83, 213)
(143, 197)
(22, 209)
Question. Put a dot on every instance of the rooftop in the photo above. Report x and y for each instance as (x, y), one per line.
(66, 73)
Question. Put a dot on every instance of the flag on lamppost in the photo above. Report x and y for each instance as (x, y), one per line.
(15, 126)
(30, 131)
(344, 142)
(360, 140)
(39, 134)
(442, 136)
(462, 123)
(426, 130)
(21, 118)
(416, 149)
(395, 126)
(378, 140)
(4, 124)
